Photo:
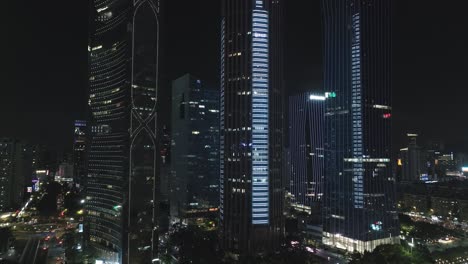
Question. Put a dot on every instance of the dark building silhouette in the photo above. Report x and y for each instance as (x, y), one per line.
(306, 128)
(79, 153)
(195, 149)
(251, 209)
(412, 161)
(14, 163)
(122, 177)
(359, 203)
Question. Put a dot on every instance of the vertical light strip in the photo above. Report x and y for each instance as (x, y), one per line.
(260, 137)
(356, 110)
(221, 126)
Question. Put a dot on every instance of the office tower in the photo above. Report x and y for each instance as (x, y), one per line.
(165, 151)
(12, 173)
(359, 207)
(251, 202)
(412, 161)
(43, 158)
(306, 128)
(195, 149)
(65, 173)
(121, 192)
(445, 164)
(79, 153)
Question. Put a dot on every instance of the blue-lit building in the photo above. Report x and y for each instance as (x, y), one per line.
(251, 193)
(359, 197)
(194, 149)
(122, 176)
(306, 128)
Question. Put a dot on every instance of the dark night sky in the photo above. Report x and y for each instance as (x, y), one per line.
(44, 63)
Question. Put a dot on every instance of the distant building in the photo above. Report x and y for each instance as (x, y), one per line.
(79, 153)
(306, 147)
(441, 199)
(195, 149)
(446, 165)
(444, 206)
(415, 203)
(65, 173)
(43, 158)
(412, 161)
(13, 161)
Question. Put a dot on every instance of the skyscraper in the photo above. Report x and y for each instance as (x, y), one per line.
(359, 207)
(79, 153)
(121, 188)
(306, 128)
(195, 148)
(13, 164)
(251, 210)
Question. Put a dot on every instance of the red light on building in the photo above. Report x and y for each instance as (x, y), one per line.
(386, 116)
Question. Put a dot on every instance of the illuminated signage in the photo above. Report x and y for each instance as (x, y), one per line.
(29, 189)
(80, 228)
(317, 97)
(465, 169)
(377, 226)
(330, 95)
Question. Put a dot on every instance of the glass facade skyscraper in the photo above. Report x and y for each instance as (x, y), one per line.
(194, 149)
(306, 128)
(251, 210)
(359, 203)
(121, 196)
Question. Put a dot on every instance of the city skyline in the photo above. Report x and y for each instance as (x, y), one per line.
(428, 56)
(235, 131)
(122, 200)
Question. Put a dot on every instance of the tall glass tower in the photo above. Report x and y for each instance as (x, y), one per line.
(121, 196)
(251, 140)
(359, 203)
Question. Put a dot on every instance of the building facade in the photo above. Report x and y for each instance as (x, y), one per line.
(412, 161)
(251, 193)
(121, 192)
(12, 173)
(194, 149)
(306, 128)
(359, 202)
